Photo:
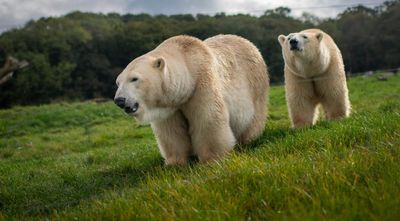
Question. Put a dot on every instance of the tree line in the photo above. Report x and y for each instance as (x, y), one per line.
(79, 55)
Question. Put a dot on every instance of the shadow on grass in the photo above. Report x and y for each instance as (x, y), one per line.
(43, 199)
(269, 136)
(272, 135)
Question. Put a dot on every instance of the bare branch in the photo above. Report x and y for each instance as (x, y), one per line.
(12, 64)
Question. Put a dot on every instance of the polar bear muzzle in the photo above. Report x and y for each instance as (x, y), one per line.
(294, 45)
(121, 102)
(133, 109)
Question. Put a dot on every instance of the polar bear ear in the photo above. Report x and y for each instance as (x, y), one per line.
(319, 36)
(159, 63)
(281, 39)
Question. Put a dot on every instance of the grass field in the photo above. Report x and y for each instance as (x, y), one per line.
(88, 161)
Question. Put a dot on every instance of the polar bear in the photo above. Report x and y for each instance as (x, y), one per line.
(200, 97)
(314, 74)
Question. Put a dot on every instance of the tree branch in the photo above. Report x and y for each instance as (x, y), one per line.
(12, 64)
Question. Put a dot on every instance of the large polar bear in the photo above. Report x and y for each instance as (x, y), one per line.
(200, 97)
(314, 74)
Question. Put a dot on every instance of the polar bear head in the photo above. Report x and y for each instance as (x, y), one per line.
(301, 44)
(150, 88)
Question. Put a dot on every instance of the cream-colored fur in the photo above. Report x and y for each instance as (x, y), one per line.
(314, 74)
(203, 96)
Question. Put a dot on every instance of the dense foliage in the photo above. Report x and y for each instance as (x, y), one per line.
(78, 56)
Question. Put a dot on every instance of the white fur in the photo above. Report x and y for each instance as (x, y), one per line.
(156, 114)
(200, 97)
(241, 109)
(314, 76)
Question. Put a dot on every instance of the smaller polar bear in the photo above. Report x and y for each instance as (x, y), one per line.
(200, 97)
(314, 74)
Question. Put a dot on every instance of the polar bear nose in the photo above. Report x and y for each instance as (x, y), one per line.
(293, 42)
(120, 102)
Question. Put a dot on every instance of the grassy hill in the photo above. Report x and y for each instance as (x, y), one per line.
(88, 161)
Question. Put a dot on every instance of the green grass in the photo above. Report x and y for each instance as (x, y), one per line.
(87, 161)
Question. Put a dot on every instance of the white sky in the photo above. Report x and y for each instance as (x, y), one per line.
(15, 13)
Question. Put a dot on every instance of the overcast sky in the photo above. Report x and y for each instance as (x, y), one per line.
(14, 13)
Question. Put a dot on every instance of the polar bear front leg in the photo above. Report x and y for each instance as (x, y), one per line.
(300, 100)
(335, 99)
(211, 134)
(173, 139)
(302, 111)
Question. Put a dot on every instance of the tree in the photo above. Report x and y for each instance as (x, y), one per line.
(280, 12)
(78, 56)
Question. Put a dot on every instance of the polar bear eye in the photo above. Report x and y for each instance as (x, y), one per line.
(305, 37)
(134, 79)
